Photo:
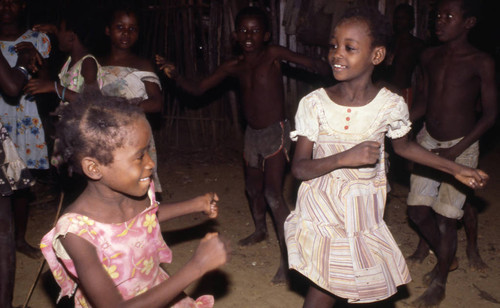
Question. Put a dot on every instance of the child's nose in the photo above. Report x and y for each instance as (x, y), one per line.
(150, 164)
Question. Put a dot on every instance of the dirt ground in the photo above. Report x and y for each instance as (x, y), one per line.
(245, 280)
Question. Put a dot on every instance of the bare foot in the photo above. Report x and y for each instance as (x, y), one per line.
(429, 277)
(28, 250)
(418, 256)
(453, 265)
(281, 277)
(253, 239)
(432, 297)
(475, 262)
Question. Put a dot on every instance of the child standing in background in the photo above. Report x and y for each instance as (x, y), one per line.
(108, 245)
(14, 175)
(19, 114)
(267, 142)
(336, 236)
(457, 79)
(75, 35)
(125, 74)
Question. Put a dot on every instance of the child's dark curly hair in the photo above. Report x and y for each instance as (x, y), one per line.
(255, 12)
(82, 18)
(93, 126)
(378, 24)
(471, 8)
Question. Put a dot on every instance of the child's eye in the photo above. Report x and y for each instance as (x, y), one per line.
(255, 30)
(243, 30)
(333, 46)
(349, 48)
(449, 16)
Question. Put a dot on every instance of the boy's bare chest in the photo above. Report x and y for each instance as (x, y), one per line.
(262, 72)
(451, 71)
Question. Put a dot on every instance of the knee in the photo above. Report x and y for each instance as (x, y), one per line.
(252, 191)
(418, 214)
(273, 198)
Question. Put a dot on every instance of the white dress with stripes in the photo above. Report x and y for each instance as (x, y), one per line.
(336, 236)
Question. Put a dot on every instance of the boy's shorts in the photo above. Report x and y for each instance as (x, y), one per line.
(428, 190)
(261, 144)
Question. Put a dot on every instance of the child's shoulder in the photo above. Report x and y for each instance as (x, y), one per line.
(319, 93)
(142, 64)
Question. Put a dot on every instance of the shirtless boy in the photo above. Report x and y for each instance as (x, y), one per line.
(258, 71)
(456, 78)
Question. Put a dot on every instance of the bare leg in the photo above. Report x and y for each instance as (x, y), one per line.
(273, 191)
(420, 253)
(435, 293)
(7, 253)
(424, 219)
(254, 182)
(470, 224)
(20, 204)
(317, 298)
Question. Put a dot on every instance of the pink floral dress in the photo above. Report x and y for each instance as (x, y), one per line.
(131, 253)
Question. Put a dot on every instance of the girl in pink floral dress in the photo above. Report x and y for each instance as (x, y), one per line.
(107, 247)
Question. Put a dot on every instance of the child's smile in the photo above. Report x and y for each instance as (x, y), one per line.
(350, 51)
(132, 167)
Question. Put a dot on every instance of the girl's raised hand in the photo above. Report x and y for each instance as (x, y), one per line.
(28, 56)
(45, 28)
(474, 178)
(166, 67)
(210, 204)
(365, 153)
(211, 253)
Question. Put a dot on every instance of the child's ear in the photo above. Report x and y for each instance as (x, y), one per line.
(470, 22)
(267, 36)
(90, 167)
(378, 55)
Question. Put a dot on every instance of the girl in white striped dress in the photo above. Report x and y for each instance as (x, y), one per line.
(336, 235)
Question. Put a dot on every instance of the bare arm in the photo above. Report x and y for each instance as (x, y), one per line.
(306, 168)
(486, 70)
(312, 64)
(101, 291)
(206, 203)
(419, 105)
(154, 101)
(89, 73)
(13, 80)
(411, 150)
(195, 87)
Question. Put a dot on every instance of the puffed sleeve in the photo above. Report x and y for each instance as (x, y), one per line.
(399, 119)
(306, 119)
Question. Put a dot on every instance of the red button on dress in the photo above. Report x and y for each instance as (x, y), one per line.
(346, 127)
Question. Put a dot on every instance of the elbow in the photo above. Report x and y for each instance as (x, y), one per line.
(11, 91)
(298, 172)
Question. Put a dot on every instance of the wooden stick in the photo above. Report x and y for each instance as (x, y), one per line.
(42, 264)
